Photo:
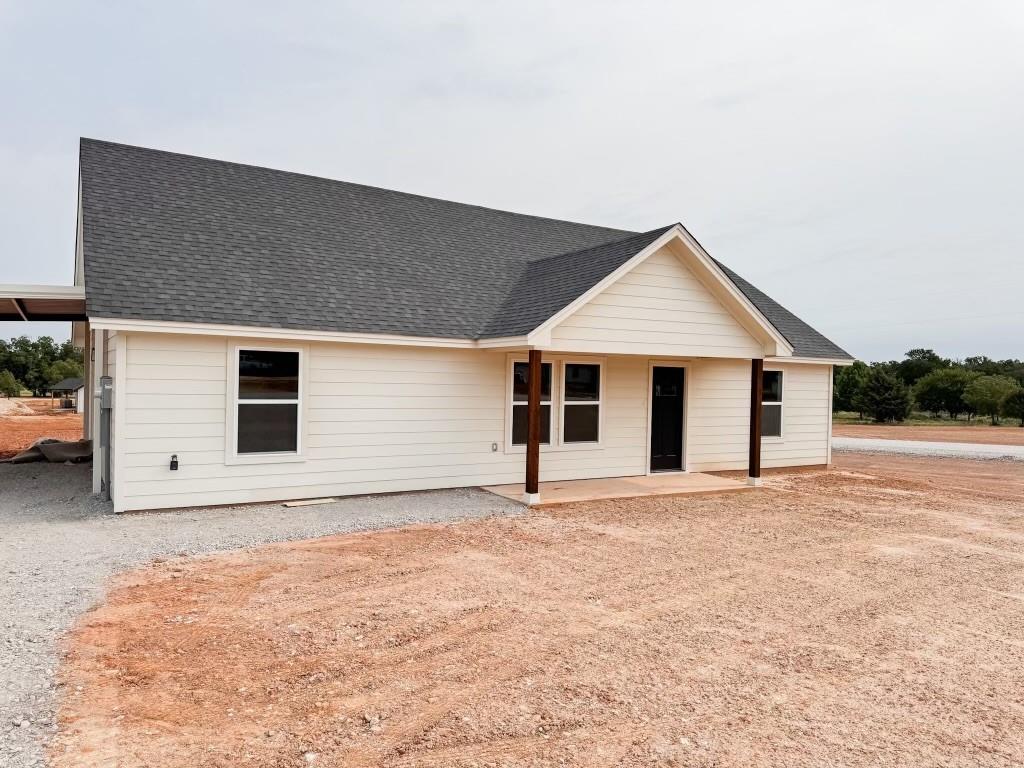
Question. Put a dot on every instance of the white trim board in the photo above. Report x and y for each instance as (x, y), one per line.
(775, 343)
(288, 334)
(15, 291)
(291, 335)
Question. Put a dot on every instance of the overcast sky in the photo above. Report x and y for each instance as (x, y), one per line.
(862, 163)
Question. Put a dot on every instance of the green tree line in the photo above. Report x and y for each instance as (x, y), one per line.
(975, 386)
(36, 364)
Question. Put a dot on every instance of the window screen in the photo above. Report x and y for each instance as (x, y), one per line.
(771, 407)
(520, 395)
(267, 406)
(581, 410)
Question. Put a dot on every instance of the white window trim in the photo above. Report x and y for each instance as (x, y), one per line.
(510, 403)
(566, 403)
(231, 454)
(557, 398)
(781, 404)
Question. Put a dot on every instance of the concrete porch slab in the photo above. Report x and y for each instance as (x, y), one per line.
(662, 484)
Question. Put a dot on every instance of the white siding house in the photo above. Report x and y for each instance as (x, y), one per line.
(379, 419)
(272, 336)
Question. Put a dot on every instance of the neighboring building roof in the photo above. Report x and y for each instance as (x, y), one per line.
(66, 385)
(180, 238)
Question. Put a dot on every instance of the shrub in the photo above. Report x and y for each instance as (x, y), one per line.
(986, 394)
(884, 397)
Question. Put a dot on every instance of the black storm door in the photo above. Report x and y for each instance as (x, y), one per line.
(667, 419)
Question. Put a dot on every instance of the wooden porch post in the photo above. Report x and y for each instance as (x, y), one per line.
(756, 398)
(533, 429)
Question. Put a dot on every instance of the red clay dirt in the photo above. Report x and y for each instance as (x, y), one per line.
(18, 432)
(865, 616)
(985, 435)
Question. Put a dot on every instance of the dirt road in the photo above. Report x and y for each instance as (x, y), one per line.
(865, 616)
(985, 435)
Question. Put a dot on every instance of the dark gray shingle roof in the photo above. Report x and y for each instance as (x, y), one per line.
(547, 285)
(181, 238)
(66, 385)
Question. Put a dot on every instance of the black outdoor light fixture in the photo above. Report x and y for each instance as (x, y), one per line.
(174, 462)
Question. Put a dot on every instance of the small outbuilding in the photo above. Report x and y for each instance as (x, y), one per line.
(71, 392)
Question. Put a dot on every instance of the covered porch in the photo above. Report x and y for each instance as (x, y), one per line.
(661, 478)
(662, 484)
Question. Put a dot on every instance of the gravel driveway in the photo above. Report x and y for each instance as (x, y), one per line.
(59, 544)
(925, 448)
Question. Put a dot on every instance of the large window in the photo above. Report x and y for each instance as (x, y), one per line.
(267, 402)
(520, 395)
(581, 407)
(771, 407)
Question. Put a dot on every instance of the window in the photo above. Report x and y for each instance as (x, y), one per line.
(581, 408)
(520, 395)
(267, 402)
(771, 404)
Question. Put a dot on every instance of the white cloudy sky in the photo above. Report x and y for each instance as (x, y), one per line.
(863, 163)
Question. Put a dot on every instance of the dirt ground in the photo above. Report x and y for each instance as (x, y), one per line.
(985, 435)
(866, 616)
(18, 430)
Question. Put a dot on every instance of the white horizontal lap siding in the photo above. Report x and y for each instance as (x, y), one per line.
(806, 412)
(659, 308)
(378, 419)
(718, 416)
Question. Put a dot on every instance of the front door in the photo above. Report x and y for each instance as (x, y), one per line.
(667, 419)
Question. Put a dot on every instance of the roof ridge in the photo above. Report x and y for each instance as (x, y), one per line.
(84, 139)
(630, 236)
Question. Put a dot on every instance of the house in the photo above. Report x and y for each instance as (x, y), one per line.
(70, 390)
(271, 335)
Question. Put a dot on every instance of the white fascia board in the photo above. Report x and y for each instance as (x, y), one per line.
(258, 332)
(811, 360)
(705, 258)
(15, 291)
(500, 343)
(541, 335)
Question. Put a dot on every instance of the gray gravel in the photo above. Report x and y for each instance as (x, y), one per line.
(926, 448)
(59, 545)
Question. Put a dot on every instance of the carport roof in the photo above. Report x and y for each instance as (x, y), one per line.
(42, 302)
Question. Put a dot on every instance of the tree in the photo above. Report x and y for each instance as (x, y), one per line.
(9, 386)
(987, 393)
(849, 382)
(943, 390)
(884, 397)
(63, 369)
(29, 361)
(919, 363)
(1013, 405)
